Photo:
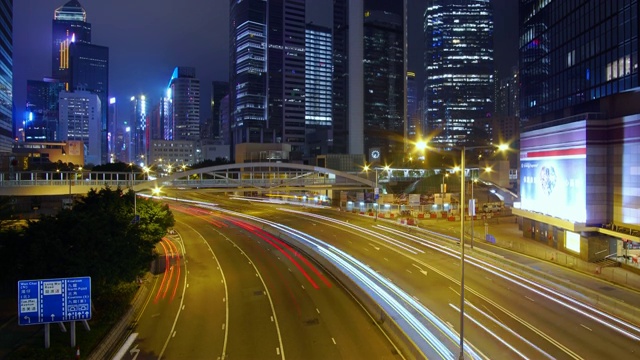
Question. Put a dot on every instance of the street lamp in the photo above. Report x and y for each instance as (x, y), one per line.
(463, 149)
(376, 193)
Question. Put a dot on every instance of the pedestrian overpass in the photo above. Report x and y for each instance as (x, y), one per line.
(247, 177)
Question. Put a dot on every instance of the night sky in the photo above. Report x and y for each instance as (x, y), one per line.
(148, 38)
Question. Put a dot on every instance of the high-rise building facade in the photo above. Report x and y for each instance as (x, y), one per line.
(89, 71)
(185, 103)
(42, 109)
(267, 72)
(69, 26)
(112, 126)
(384, 78)
(413, 122)
(597, 58)
(139, 130)
(318, 76)
(458, 63)
(340, 84)
(319, 96)
(579, 104)
(219, 89)
(80, 120)
(6, 76)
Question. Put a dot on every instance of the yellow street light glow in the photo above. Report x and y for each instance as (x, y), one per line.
(421, 145)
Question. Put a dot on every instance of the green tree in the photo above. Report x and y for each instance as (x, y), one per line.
(98, 238)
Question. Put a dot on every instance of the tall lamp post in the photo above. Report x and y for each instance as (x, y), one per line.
(463, 149)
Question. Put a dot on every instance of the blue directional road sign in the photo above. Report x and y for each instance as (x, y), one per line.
(54, 300)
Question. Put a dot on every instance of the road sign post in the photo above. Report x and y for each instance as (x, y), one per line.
(48, 301)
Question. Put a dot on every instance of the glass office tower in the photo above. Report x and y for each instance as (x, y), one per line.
(42, 110)
(6, 76)
(574, 52)
(318, 84)
(384, 78)
(89, 71)
(69, 25)
(458, 63)
(185, 104)
(267, 72)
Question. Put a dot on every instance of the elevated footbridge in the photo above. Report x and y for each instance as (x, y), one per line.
(257, 177)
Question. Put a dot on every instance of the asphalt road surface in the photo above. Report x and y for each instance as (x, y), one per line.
(506, 316)
(228, 290)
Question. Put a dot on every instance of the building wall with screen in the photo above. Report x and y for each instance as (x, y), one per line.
(553, 172)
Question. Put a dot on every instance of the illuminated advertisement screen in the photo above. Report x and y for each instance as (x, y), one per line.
(553, 183)
(572, 241)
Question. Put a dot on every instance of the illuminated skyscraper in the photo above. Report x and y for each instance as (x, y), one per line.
(41, 123)
(267, 72)
(139, 132)
(318, 83)
(185, 104)
(6, 76)
(69, 25)
(80, 120)
(458, 62)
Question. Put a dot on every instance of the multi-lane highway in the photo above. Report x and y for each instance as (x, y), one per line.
(507, 316)
(231, 290)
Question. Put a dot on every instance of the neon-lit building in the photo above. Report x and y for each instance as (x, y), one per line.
(458, 62)
(41, 120)
(579, 149)
(69, 25)
(139, 130)
(6, 76)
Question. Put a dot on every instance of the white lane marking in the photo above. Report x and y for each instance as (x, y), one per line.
(318, 311)
(423, 272)
(586, 327)
(123, 350)
(174, 334)
(278, 351)
(373, 246)
(530, 299)
(226, 293)
(409, 271)
(457, 293)
(334, 341)
(385, 259)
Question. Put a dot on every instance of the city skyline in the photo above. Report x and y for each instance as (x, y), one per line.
(143, 52)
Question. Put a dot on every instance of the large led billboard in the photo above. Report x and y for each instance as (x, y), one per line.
(553, 182)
